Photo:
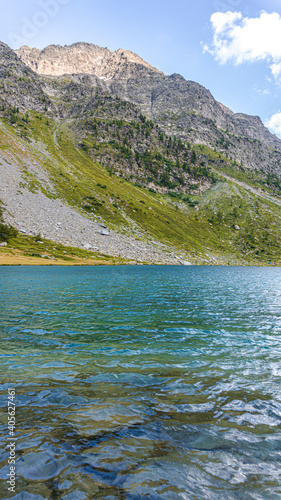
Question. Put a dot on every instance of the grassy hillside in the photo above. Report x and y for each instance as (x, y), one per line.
(226, 224)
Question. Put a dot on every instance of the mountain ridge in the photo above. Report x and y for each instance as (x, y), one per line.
(81, 58)
(180, 107)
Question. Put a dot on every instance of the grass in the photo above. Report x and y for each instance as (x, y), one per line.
(224, 165)
(30, 250)
(204, 232)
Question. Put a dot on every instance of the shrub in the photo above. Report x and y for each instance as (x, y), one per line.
(7, 232)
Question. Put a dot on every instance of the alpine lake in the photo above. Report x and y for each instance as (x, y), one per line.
(141, 382)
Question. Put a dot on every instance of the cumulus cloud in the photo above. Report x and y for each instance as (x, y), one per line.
(242, 39)
(276, 69)
(274, 124)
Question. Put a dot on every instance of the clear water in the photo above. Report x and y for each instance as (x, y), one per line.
(142, 382)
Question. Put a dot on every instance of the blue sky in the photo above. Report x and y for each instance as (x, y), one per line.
(218, 43)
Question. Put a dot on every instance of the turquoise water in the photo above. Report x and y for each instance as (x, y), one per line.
(142, 382)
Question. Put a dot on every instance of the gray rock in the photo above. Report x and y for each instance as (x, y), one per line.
(4, 244)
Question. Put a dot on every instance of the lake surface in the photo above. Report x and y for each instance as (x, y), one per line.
(142, 382)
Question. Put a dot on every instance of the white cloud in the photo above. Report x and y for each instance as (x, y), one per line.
(261, 91)
(274, 124)
(276, 69)
(223, 20)
(243, 39)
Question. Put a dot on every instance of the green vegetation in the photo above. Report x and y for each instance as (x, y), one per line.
(7, 233)
(139, 151)
(203, 226)
(30, 246)
(146, 184)
(257, 178)
(33, 247)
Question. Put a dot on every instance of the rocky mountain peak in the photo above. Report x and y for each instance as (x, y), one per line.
(84, 58)
(181, 108)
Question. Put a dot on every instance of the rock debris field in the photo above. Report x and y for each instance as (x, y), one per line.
(34, 213)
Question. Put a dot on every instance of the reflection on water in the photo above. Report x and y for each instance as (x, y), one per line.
(142, 382)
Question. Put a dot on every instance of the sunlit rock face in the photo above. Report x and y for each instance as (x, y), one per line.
(83, 58)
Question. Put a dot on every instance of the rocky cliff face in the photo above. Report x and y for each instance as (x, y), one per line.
(83, 58)
(19, 85)
(188, 110)
(181, 108)
(184, 106)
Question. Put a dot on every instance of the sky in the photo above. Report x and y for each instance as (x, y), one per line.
(231, 47)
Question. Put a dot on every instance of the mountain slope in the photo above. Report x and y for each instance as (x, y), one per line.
(62, 194)
(111, 165)
(19, 85)
(189, 111)
(179, 107)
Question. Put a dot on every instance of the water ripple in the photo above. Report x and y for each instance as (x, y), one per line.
(142, 382)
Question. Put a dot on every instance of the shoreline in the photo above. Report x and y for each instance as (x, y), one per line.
(21, 260)
(17, 258)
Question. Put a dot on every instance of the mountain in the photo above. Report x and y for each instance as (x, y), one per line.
(101, 151)
(179, 107)
(20, 86)
(182, 108)
(84, 58)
